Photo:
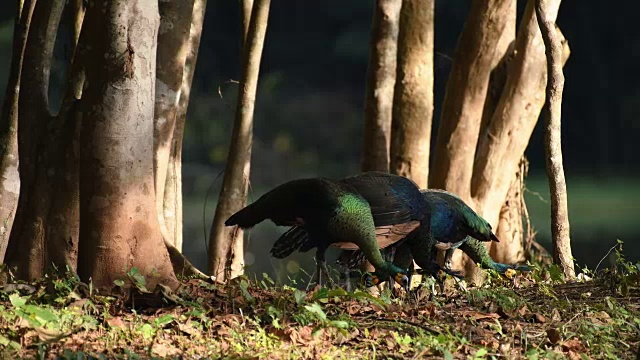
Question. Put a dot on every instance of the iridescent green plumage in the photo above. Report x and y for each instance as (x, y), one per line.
(453, 224)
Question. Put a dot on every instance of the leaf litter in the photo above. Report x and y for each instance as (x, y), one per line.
(526, 316)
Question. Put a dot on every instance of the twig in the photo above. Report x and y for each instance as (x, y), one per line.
(605, 256)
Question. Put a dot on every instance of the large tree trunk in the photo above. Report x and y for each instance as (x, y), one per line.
(226, 244)
(120, 228)
(553, 148)
(381, 78)
(413, 95)
(484, 174)
(10, 187)
(465, 96)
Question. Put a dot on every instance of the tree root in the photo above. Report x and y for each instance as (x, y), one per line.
(181, 265)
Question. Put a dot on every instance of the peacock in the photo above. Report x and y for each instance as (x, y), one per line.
(453, 225)
(342, 213)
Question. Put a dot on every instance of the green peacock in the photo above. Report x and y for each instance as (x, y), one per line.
(341, 213)
(453, 225)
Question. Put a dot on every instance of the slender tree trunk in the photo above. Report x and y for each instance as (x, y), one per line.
(120, 228)
(560, 239)
(413, 95)
(465, 96)
(173, 186)
(381, 78)
(10, 188)
(226, 244)
(173, 38)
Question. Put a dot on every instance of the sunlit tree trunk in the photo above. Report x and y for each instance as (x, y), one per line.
(120, 225)
(10, 185)
(553, 148)
(173, 185)
(413, 95)
(226, 243)
(173, 49)
(478, 150)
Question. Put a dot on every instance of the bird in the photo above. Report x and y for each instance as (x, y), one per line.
(343, 213)
(453, 224)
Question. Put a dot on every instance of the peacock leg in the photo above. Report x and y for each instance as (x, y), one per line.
(321, 266)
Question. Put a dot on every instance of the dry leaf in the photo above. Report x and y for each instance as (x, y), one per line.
(554, 336)
(116, 321)
(188, 329)
(47, 334)
(573, 345)
(475, 315)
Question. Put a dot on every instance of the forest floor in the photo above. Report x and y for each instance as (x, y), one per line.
(527, 315)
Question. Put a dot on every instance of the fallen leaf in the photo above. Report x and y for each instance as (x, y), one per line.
(342, 338)
(536, 317)
(523, 310)
(116, 321)
(554, 336)
(475, 315)
(47, 334)
(573, 345)
(188, 329)
(164, 350)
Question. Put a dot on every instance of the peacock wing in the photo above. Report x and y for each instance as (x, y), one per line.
(393, 199)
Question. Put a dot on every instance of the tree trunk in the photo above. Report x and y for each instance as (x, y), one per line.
(10, 189)
(173, 38)
(226, 244)
(560, 239)
(501, 147)
(120, 228)
(173, 186)
(502, 134)
(381, 77)
(465, 96)
(413, 95)
(45, 231)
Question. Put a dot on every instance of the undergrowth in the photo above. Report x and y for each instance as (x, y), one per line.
(529, 315)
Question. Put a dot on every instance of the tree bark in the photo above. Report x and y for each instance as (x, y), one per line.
(173, 48)
(45, 231)
(10, 187)
(413, 94)
(226, 244)
(501, 147)
(465, 96)
(120, 228)
(381, 77)
(245, 13)
(560, 235)
(499, 69)
(173, 187)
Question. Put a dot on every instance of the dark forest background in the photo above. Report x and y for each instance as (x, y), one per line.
(309, 113)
